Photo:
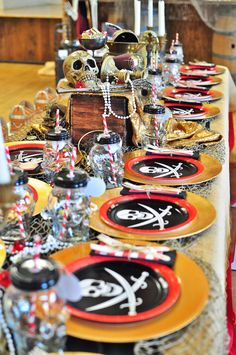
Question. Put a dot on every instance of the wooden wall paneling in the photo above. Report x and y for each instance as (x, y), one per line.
(194, 34)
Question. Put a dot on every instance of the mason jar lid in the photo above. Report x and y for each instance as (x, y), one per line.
(154, 109)
(172, 60)
(54, 135)
(21, 176)
(154, 72)
(63, 179)
(26, 277)
(110, 138)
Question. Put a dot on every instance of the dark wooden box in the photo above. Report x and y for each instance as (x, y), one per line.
(85, 115)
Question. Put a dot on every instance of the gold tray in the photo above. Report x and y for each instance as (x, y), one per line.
(212, 168)
(193, 298)
(206, 215)
(2, 253)
(43, 190)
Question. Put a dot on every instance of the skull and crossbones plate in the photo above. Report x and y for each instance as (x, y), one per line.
(147, 214)
(198, 80)
(194, 95)
(199, 70)
(27, 156)
(121, 291)
(186, 110)
(159, 168)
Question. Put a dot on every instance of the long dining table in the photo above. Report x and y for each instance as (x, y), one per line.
(208, 333)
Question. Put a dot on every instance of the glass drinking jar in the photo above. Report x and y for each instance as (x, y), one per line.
(57, 152)
(171, 69)
(106, 159)
(69, 207)
(33, 310)
(154, 132)
(17, 221)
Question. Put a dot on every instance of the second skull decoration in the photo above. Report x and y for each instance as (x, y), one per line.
(81, 70)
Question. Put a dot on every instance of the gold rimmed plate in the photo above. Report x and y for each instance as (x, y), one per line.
(2, 253)
(191, 95)
(200, 70)
(199, 81)
(191, 111)
(41, 191)
(204, 217)
(197, 171)
(192, 300)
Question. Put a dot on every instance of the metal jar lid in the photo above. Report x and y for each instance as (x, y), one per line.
(78, 180)
(154, 109)
(26, 277)
(54, 135)
(110, 138)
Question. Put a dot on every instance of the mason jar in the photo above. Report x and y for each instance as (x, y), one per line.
(17, 220)
(154, 122)
(106, 159)
(57, 152)
(34, 312)
(69, 206)
(171, 69)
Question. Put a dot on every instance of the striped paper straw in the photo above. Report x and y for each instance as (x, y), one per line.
(72, 162)
(156, 129)
(57, 161)
(104, 120)
(9, 159)
(32, 315)
(154, 94)
(20, 221)
(57, 128)
(113, 168)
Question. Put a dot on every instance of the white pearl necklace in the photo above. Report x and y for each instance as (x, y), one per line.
(107, 100)
(5, 329)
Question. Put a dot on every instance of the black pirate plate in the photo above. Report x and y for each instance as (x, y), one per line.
(197, 80)
(28, 155)
(121, 291)
(187, 111)
(188, 94)
(147, 214)
(159, 168)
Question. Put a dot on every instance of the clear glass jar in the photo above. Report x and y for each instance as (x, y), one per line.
(106, 159)
(57, 152)
(69, 207)
(33, 310)
(17, 220)
(154, 123)
(178, 47)
(171, 69)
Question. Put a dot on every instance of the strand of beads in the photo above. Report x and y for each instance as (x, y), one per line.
(5, 329)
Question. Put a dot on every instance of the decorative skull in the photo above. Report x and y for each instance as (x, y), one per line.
(99, 288)
(80, 69)
(134, 215)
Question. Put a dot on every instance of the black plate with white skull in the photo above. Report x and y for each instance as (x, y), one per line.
(147, 214)
(120, 291)
(28, 156)
(161, 168)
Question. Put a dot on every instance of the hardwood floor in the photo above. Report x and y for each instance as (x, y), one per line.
(21, 82)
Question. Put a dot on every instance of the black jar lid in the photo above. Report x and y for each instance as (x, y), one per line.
(54, 135)
(154, 109)
(110, 138)
(20, 176)
(78, 180)
(154, 72)
(26, 277)
(172, 60)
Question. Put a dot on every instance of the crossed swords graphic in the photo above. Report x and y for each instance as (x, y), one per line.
(156, 217)
(170, 170)
(129, 293)
(29, 157)
(181, 111)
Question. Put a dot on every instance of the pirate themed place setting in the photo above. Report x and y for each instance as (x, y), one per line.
(114, 197)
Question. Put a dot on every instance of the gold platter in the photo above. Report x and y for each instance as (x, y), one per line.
(193, 298)
(206, 215)
(212, 168)
(2, 253)
(42, 190)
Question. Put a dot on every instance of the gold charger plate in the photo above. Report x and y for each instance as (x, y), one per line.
(212, 168)
(193, 298)
(42, 190)
(170, 93)
(206, 215)
(2, 253)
